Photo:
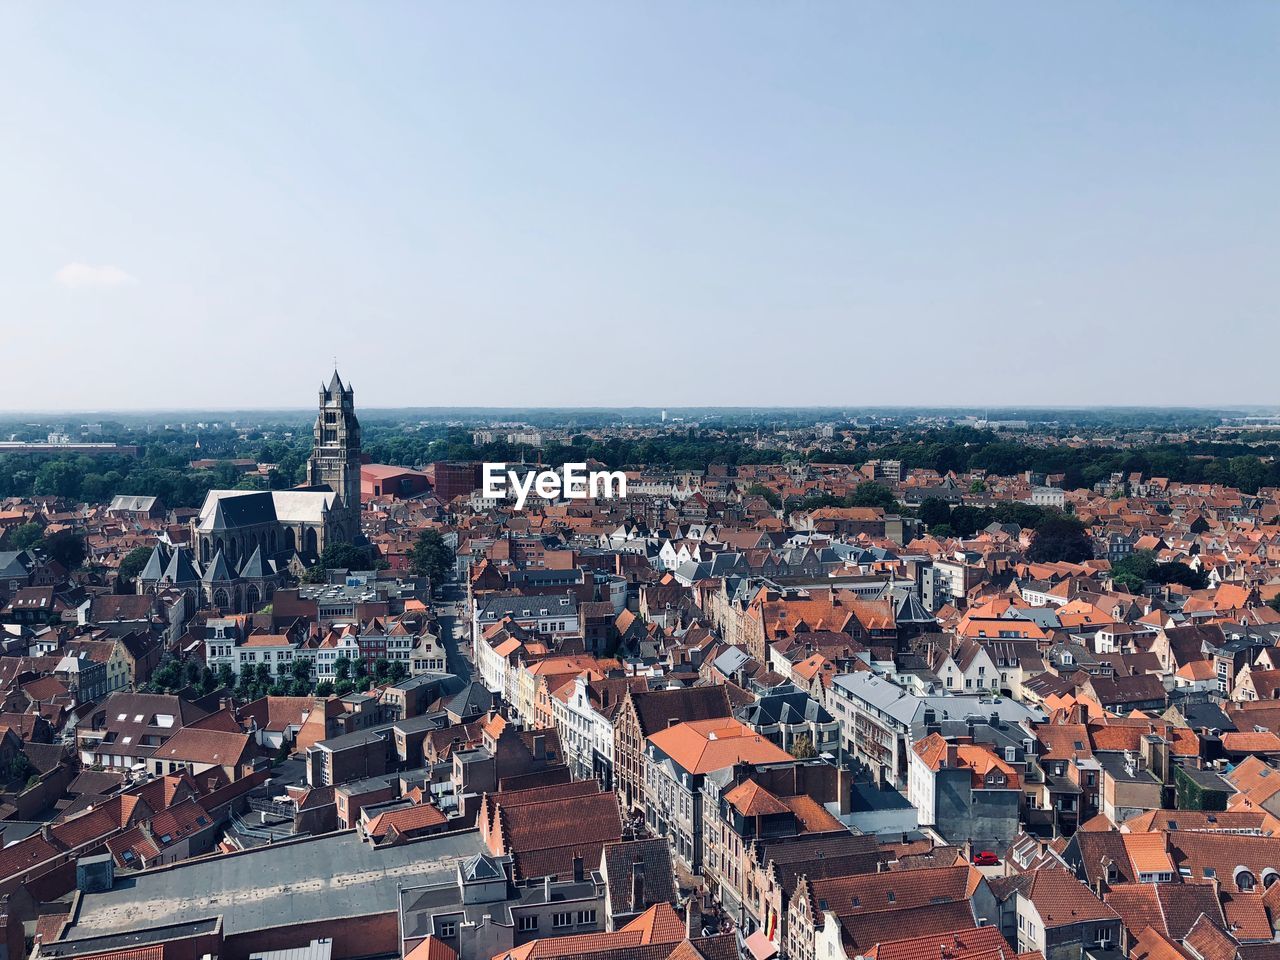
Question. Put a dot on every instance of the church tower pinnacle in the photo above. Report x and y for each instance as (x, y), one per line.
(335, 456)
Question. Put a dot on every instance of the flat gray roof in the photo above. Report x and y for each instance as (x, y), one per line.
(334, 875)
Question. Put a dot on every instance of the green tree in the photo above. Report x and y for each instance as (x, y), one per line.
(132, 565)
(1179, 573)
(431, 557)
(978, 486)
(59, 478)
(26, 535)
(1138, 564)
(872, 494)
(226, 676)
(342, 668)
(65, 546)
(768, 493)
(802, 747)
(324, 688)
(1059, 537)
(934, 510)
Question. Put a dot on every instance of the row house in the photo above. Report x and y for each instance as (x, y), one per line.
(965, 791)
(677, 760)
(645, 712)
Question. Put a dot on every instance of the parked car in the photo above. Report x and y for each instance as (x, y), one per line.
(985, 859)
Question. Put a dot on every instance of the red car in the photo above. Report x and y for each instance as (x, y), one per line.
(986, 859)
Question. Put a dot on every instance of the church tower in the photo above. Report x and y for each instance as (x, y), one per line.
(335, 457)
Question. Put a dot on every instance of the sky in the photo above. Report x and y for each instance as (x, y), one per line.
(202, 205)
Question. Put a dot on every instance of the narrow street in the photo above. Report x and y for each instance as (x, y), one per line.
(451, 613)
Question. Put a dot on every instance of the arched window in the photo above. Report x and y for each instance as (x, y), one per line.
(1245, 880)
(217, 545)
(271, 540)
(220, 599)
(290, 540)
(309, 541)
(253, 598)
(204, 550)
(1269, 876)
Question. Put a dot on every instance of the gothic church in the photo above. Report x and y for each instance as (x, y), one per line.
(242, 541)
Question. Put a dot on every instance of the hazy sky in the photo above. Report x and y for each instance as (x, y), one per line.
(606, 203)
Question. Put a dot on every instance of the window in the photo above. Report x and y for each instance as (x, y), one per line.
(559, 920)
(586, 916)
(448, 929)
(527, 924)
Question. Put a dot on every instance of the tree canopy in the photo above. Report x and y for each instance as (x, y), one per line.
(1060, 538)
(431, 557)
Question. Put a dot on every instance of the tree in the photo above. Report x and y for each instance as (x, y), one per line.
(978, 486)
(802, 747)
(768, 493)
(59, 478)
(132, 565)
(324, 688)
(65, 546)
(397, 672)
(344, 556)
(431, 557)
(872, 494)
(338, 556)
(17, 769)
(342, 668)
(1059, 538)
(226, 676)
(1179, 573)
(1132, 572)
(1138, 564)
(26, 535)
(1127, 581)
(934, 510)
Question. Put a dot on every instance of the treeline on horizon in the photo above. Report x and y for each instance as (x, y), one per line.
(164, 468)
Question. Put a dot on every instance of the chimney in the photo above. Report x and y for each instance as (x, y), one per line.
(577, 868)
(693, 918)
(672, 721)
(46, 833)
(539, 747)
(844, 790)
(637, 886)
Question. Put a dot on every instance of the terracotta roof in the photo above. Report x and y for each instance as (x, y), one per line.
(421, 816)
(752, 800)
(980, 943)
(706, 745)
(1061, 899)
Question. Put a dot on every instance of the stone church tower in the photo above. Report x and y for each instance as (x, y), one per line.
(335, 457)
